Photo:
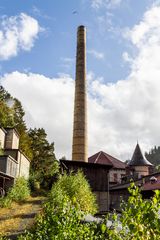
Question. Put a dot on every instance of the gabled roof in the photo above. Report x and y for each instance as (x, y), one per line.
(138, 159)
(104, 158)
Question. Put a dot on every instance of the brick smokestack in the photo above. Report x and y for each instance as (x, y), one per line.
(79, 147)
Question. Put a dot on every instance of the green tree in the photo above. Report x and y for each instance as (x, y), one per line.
(154, 155)
(12, 115)
(43, 164)
(20, 125)
(4, 95)
(6, 114)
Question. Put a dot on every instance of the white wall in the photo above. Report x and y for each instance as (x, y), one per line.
(12, 139)
(23, 166)
(2, 138)
(119, 173)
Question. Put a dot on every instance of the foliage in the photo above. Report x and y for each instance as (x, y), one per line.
(43, 164)
(61, 219)
(77, 189)
(3, 238)
(154, 156)
(140, 219)
(19, 123)
(12, 115)
(6, 113)
(63, 214)
(33, 143)
(19, 192)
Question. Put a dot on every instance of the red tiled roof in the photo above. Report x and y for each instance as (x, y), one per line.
(104, 158)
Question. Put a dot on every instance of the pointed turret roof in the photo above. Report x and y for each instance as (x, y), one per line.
(138, 159)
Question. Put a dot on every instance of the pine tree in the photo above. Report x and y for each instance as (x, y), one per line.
(20, 125)
(6, 114)
(154, 156)
(12, 115)
(43, 164)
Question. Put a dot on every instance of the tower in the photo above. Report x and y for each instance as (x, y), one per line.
(79, 146)
(139, 164)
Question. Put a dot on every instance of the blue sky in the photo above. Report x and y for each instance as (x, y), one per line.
(37, 65)
(57, 42)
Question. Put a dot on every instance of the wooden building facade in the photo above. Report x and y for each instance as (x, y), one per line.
(96, 174)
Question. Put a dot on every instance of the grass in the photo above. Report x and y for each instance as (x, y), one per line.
(19, 216)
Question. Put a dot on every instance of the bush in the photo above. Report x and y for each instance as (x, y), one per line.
(62, 218)
(140, 219)
(19, 192)
(78, 191)
(44, 179)
(70, 199)
(34, 182)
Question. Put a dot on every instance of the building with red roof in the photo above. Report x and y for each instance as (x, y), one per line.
(118, 170)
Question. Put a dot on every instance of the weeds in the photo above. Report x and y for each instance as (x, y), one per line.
(19, 192)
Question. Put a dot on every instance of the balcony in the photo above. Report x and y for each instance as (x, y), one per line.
(8, 165)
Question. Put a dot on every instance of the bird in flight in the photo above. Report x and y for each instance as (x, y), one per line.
(74, 12)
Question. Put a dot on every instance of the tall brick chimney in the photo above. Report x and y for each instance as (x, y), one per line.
(79, 147)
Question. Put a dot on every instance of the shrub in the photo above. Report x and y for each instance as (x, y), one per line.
(78, 191)
(70, 199)
(19, 192)
(62, 219)
(140, 219)
(34, 182)
(3, 238)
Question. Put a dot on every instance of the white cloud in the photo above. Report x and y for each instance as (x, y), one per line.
(148, 30)
(96, 4)
(17, 33)
(48, 103)
(118, 113)
(96, 54)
